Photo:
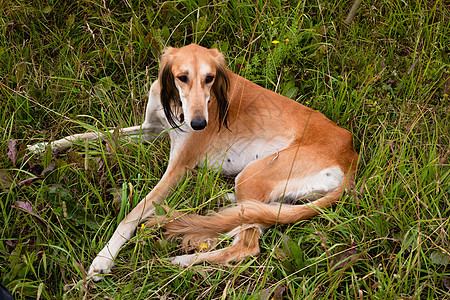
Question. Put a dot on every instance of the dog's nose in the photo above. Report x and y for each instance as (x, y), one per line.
(198, 123)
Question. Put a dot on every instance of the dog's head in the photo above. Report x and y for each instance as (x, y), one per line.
(187, 77)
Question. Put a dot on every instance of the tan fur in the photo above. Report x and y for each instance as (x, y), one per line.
(196, 229)
(316, 143)
(276, 147)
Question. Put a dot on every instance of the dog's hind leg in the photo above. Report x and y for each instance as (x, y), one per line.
(245, 244)
(262, 190)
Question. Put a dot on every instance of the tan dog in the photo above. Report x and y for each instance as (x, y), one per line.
(280, 151)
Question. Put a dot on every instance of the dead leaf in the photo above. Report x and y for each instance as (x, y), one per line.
(49, 168)
(12, 151)
(345, 258)
(276, 294)
(99, 162)
(25, 205)
(76, 159)
(28, 208)
(411, 69)
(27, 182)
(446, 282)
(11, 243)
(35, 168)
(117, 197)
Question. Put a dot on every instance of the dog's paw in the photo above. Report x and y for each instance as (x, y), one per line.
(37, 148)
(183, 261)
(100, 265)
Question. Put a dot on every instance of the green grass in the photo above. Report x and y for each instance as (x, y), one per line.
(71, 66)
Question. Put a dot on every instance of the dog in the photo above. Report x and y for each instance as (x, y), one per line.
(279, 150)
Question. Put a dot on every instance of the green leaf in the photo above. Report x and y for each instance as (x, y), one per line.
(224, 47)
(47, 157)
(57, 192)
(47, 9)
(440, 258)
(290, 90)
(291, 93)
(202, 24)
(70, 20)
(165, 33)
(123, 202)
(159, 210)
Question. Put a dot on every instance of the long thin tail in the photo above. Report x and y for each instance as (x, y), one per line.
(91, 136)
(194, 229)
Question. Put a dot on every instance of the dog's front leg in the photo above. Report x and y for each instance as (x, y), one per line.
(103, 262)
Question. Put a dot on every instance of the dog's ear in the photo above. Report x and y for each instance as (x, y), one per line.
(169, 93)
(220, 89)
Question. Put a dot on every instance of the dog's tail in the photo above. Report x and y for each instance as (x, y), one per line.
(195, 229)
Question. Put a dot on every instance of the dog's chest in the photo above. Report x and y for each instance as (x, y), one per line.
(233, 156)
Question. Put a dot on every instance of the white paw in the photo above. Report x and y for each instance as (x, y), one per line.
(183, 260)
(37, 148)
(100, 265)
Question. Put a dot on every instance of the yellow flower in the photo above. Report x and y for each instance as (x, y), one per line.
(203, 246)
(287, 40)
(275, 42)
(271, 22)
(142, 226)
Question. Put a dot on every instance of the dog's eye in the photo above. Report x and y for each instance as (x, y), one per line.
(182, 78)
(209, 79)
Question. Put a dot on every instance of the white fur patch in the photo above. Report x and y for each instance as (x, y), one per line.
(238, 230)
(322, 182)
(243, 152)
(183, 261)
(204, 69)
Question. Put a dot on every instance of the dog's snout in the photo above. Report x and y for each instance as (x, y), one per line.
(198, 123)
